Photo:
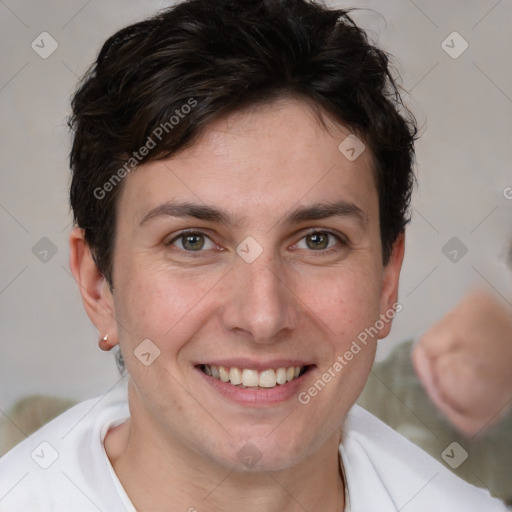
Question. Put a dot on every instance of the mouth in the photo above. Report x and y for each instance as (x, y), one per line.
(246, 378)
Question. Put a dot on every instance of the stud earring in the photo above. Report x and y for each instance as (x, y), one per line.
(103, 344)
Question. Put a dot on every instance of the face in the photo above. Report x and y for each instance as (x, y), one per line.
(256, 250)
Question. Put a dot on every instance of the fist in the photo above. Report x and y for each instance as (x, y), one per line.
(465, 362)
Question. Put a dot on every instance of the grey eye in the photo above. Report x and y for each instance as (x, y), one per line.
(193, 242)
(317, 241)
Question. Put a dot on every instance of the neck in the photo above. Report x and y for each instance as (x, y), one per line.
(157, 470)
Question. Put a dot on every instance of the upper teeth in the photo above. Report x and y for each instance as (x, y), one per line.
(253, 378)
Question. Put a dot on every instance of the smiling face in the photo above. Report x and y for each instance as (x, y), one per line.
(254, 251)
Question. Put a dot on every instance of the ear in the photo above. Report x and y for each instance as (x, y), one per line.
(96, 295)
(389, 292)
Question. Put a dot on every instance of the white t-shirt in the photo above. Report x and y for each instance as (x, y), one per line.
(63, 467)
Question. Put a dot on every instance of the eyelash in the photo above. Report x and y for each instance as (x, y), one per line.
(341, 240)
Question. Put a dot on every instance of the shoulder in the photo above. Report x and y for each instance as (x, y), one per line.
(386, 472)
(63, 464)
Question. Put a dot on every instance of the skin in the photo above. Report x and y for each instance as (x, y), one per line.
(180, 445)
(464, 361)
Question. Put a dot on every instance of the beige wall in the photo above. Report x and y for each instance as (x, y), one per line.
(464, 155)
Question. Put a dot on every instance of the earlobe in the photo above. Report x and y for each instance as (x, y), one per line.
(94, 289)
(390, 281)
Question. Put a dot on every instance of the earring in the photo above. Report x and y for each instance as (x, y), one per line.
(103, 344)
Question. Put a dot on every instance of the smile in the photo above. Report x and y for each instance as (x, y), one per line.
(249, 378)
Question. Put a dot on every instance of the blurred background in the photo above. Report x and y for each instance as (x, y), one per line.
(454, 59)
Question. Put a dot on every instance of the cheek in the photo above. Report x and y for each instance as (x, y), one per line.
(160, 305)
(347, 301)
(347, 306)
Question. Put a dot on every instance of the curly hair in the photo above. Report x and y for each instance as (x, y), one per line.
(157, 84)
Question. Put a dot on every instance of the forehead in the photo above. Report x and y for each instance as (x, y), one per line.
(261, 160)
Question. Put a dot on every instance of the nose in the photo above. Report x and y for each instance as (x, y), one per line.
(259, 304)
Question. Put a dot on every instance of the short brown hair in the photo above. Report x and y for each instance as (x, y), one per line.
(177, 71)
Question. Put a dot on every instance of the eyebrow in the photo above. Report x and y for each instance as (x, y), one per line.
(320, 211)
(315, 211)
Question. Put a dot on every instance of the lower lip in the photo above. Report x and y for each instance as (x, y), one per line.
(260, 396)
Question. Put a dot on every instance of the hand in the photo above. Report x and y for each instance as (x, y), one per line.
(465, 362)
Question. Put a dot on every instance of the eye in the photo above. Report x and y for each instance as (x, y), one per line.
(192, 242)
(318, 241)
